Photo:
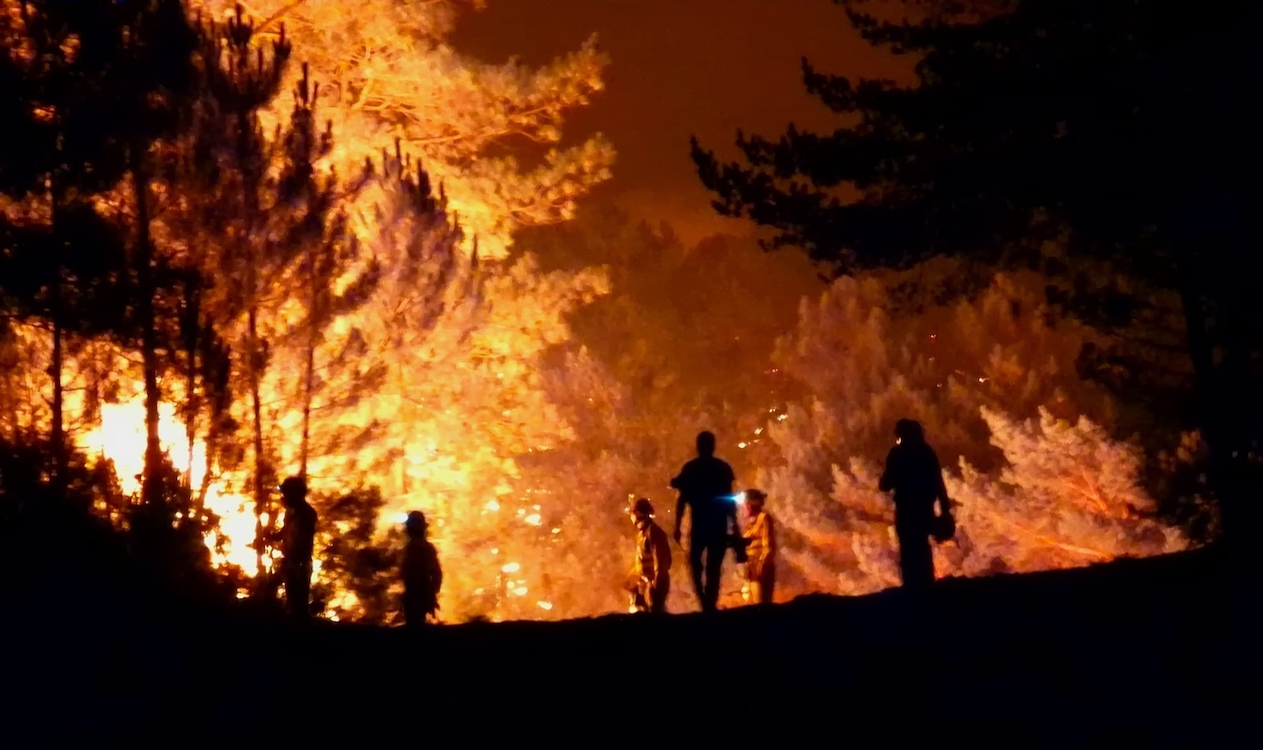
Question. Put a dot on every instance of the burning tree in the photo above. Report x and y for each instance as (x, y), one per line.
(318, 323)
(97, 91)
(432, 387)
(88, 91)
(388, 73)
(335, 327)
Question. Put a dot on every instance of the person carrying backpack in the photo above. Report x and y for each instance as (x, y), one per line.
(914, 476)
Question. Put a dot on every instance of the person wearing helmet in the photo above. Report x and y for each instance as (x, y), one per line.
(760, 545)
(705, 487)
(652, 571)
(422, 574)
(297, 546)
(914, 475)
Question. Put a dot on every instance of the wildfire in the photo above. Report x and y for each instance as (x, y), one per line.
(120, 437)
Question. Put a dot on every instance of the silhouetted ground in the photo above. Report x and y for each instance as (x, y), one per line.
(1138, 653)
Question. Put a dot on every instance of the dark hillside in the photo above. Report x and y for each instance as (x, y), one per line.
(1142, 652)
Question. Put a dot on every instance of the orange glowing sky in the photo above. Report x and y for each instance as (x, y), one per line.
(683, 67)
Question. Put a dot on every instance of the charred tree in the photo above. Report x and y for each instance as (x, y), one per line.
(219, 172)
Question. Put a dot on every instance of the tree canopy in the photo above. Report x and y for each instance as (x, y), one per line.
(491, 134)
(1053, 113)
(1115, 131)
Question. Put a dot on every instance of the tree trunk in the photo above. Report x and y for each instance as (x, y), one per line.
(192, 315)
(55, 369)
(308, 380)
(314, 320)
(263, 519)
(149, 335)
(58, 428)
(255, 239)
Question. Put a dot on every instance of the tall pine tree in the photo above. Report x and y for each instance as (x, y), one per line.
(1121, 120)
(58, 80)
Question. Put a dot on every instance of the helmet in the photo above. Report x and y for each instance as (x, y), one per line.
(642, 505)
(909, 430)
(755, 496)
(416, 520)
(294, 487)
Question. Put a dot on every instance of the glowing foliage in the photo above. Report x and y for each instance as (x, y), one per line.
(519, 405)
(387, 72)
(1069, 495)
(872, 350)
(680, 344)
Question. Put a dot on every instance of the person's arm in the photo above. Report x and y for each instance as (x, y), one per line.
(887, 482)
(679, 517)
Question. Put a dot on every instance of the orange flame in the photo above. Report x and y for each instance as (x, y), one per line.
(120, 437)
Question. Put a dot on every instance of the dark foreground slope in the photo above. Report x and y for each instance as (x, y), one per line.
(1150, 652)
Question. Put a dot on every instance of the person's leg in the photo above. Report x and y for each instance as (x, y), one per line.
(412, 613)
(695, 570)
(714, 571)
(916, 561)
(298, 594)
(767, 582)
(658, 598)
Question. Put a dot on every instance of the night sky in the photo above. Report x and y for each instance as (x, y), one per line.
(682, 67)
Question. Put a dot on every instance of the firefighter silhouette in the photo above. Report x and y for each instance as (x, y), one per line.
(297, 546)
(914, 475)
(422, 574)
(705, 487)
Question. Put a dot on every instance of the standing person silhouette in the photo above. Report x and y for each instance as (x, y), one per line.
(914, 475)
(705, 487)
(298, 545)
(422, 574)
